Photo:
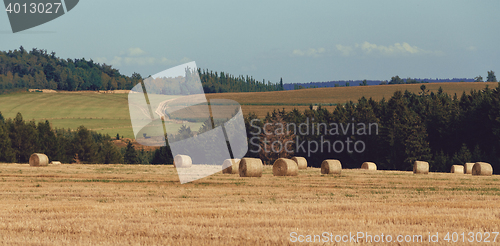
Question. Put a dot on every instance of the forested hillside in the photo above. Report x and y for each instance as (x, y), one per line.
(37, 69)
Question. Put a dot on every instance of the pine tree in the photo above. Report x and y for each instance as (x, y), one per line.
(405, 135)
(47, 139)
(84, 146)
(24, 138)
(491, 77)
(130, 156)
(163, 155)
(462, 156)
(6, 151)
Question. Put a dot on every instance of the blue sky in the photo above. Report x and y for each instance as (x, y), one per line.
(301, 41)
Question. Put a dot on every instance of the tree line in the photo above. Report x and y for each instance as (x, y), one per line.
(19, 139)
(223, 82)
(442, 129)
(37, 69)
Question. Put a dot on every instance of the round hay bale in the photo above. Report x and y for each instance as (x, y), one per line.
(301, 162)
(369, 166)
(182, 161)
(231, 166)
(285, 167)
(468, 167)
(251, 167)
(482, 168)
(457, 169)
(55, 163)
(331, 167)
(421, 167)
(39, 160)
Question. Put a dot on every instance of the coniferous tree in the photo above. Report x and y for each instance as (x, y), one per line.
(108, 152)
(48, 143)
(462, 156)
(6, 151)
(84, 146)
(491, 76)
(130, 156)
(163, 155)
(24, 138)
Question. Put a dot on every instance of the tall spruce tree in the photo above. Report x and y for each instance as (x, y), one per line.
(491, 77)
(6, 151)
(130, 156)
(84, 146)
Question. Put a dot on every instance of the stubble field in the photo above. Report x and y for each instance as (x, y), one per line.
(146, 205)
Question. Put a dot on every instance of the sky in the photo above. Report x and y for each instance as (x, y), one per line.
(299, 41)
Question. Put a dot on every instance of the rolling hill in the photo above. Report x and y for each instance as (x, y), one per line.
(109, 114)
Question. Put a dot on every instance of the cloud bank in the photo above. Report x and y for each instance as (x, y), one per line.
(365, 48)
(309, 52)
(138, 57)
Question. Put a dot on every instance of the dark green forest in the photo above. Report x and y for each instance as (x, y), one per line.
(19, 139)
(37, 69)
(442, 129)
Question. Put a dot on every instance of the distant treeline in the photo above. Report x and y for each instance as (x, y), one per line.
(37, 69)
(222, 82)
(442, 129)
(19, 139)
(394, 80)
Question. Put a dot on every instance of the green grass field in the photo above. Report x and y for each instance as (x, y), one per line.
(104, 113)
(109, 113)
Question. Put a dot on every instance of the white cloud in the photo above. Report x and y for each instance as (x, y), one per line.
(311, 52)
(135, 52)
(345, 50)
(367, 49)
(137, 57)
(140, 61)
(116, 61)
(397, 48)
(391, 50)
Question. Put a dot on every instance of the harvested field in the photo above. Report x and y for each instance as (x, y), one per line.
(263, 102)
(146, 205)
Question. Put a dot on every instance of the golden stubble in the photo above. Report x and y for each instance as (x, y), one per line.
(146, 205)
